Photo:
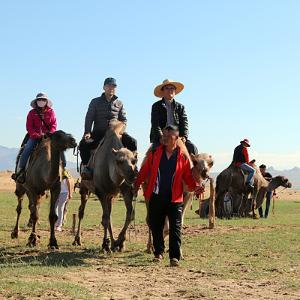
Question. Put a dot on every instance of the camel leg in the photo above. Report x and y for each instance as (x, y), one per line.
(84, 197)
(34, 201)
(110, 228)
(20, 192)
(128, 197)
(243, 206)
(253, 206)
(55, 190)
(220, 205)
(211, 215)
(187, 200)
(105, 223)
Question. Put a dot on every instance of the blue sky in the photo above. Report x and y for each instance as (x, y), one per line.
(239, 62)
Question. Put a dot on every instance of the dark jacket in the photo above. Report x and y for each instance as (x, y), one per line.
(101, 112)
(159, 119)
(240, 155)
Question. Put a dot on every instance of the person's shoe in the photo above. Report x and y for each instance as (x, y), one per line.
(86, 173)
(20, 176)
(158, 258)
(58, 228)
(174, 262)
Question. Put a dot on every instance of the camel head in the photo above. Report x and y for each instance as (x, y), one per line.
(202, 162)
(62, 140)
(282, 181)
(126, 164)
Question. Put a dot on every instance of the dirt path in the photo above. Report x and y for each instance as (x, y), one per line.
(163, 282)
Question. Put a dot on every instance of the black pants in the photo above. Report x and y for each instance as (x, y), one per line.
(192, 149)
(86, 147)
(159, 209)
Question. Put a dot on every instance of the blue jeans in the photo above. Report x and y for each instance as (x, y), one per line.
(268, 201)
(250, 171)
(29, 146)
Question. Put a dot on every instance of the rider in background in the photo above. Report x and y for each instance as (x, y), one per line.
(241, 159)
(41, 121)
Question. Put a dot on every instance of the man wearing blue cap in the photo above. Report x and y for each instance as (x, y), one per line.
(102, 110)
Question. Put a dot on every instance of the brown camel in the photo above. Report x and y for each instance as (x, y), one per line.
(115, 170)
(232, 195)
(202, 163)
(42, 174)
(261, 187)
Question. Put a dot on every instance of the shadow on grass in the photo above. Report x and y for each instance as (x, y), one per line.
(34, 257)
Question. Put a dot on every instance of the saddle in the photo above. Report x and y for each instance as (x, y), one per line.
(243, 173)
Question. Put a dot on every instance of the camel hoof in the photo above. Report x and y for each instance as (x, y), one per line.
(106, 246)
(14, 234)
(33, 240)
(53, 244)
(77, 241)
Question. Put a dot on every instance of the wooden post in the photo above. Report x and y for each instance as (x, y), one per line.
(211, 215)
(74, 223)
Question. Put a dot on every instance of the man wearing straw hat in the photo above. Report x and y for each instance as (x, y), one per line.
(168, 112)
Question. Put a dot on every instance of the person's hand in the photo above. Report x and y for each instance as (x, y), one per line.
(87, 136)
(199, 190)
(183, 139)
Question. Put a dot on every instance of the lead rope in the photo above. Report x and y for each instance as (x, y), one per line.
(75, 153)
(273, 197)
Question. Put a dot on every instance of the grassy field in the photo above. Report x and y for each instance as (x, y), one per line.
(257, 259)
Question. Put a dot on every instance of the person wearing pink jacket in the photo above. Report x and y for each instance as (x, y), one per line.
(41, 121)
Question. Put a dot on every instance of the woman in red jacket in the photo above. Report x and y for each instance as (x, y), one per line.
(41, 120)
(165, 169)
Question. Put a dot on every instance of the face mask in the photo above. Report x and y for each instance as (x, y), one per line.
(41, 103)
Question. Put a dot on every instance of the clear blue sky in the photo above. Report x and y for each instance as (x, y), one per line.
(239, 61)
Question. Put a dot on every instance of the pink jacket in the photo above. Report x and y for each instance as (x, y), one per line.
(34, 125)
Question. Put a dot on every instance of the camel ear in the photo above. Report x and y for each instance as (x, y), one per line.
(211, 162)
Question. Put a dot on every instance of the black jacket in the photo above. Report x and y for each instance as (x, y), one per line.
(101, 112)
(159, 119)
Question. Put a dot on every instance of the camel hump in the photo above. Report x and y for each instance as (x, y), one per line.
(116, 127)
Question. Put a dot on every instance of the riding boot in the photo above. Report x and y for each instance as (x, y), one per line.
(20, 177)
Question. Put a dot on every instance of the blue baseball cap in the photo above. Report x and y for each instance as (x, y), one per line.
(110, 81)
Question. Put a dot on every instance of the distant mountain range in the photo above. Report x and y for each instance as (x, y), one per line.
(8, 158)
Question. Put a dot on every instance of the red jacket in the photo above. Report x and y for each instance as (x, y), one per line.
(34, 125)
(183, 172)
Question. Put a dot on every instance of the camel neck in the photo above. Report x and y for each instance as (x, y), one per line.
(273, 184)
(54, 163)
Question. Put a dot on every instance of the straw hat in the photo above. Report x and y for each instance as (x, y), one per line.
(158, 90)
(41, 96)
